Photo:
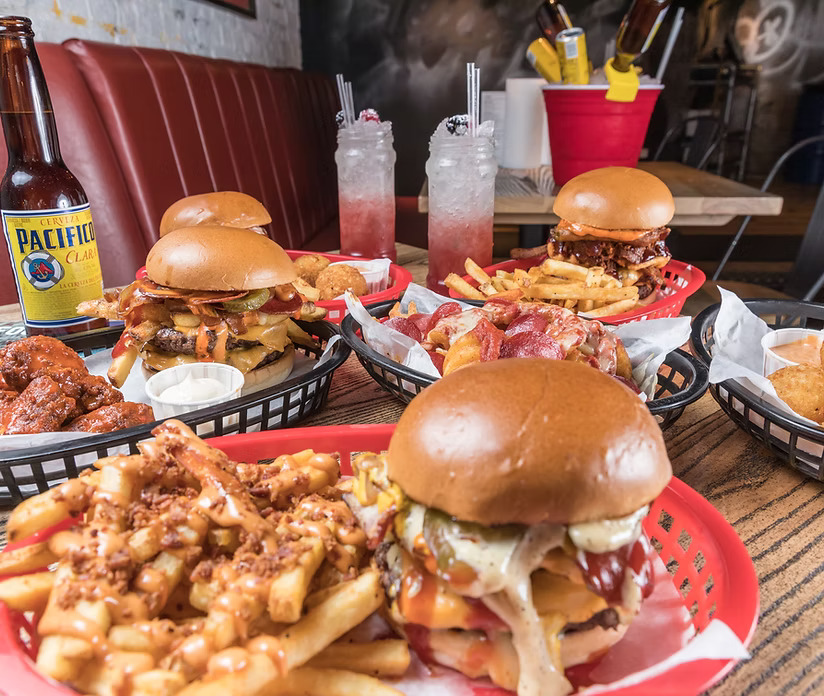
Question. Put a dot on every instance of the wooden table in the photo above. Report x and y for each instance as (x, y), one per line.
(776, 512)
(701, 198)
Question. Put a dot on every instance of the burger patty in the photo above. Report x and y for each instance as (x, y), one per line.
(595, 253)
(658, 234)
(173, 341)
(606, 618)
(613, 256)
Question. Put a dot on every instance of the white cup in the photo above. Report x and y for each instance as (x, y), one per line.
(229, 376)
(780, 337)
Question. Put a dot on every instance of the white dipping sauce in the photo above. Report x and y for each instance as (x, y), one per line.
(193, 389)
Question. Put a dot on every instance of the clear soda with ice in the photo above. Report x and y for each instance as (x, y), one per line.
(461, 170)
(366, 187)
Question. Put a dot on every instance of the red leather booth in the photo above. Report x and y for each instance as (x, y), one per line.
(142, 127)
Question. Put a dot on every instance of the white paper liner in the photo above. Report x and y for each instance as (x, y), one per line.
(737, 355)
(134, 390)
(647, 342)
(661, 637)
(374, 271)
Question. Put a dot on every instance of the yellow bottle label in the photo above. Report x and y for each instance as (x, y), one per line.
(56, 264)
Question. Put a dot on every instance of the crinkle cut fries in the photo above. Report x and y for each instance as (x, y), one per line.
(187, 573)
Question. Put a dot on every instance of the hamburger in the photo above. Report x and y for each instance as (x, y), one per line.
(211, 294)
(218, 208)
(616, 218)
(506, 518)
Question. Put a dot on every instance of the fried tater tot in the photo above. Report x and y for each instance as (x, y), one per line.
(309, 265)
(333, 281)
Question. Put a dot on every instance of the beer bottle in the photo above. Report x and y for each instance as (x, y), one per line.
(637, 31)
(46, 218)
(552, 18)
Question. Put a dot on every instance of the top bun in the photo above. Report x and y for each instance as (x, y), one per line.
(616, 198)
(221, 208)
(529, 440)
(218, 258)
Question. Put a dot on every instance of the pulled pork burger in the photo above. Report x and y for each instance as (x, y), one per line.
(506, 518)
(216, 209)
(212, 294)
(616, 218)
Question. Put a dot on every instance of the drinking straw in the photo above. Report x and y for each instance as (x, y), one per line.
(673, 35)
(347, 103)
(473, 92)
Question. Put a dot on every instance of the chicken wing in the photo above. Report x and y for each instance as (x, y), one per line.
(89, 391)
(20, 361)
(41, 408)
(112, 417)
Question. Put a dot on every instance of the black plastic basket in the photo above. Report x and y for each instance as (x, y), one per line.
(681, 379)
(26, 472)
(798, 444)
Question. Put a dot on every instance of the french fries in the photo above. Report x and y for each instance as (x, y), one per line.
(586, 290)
(199, 576)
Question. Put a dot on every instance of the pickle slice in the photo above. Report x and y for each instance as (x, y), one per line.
(442, 531)
(254, 300)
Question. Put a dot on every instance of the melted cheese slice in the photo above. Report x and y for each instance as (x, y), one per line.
(243, 360)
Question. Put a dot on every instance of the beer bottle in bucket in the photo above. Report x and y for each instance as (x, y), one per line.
(637, 31)
(552, 19)
(46, 218)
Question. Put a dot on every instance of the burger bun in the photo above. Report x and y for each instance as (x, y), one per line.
(218, 208)
(616, 198)
(526, 441)
(218, 258)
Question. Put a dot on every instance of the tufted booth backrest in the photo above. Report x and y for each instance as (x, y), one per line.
(183, 124)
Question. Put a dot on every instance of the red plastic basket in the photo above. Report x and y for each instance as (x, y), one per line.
(399, 279)
(705, 557)
(680, 281)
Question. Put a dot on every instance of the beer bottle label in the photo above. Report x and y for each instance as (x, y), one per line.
(55, 261)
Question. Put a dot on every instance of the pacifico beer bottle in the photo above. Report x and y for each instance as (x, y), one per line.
(45, 213)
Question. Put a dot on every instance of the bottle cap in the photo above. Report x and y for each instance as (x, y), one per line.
(623, 86)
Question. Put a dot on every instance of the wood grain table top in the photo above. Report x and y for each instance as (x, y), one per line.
(775, 511)
(701, 198)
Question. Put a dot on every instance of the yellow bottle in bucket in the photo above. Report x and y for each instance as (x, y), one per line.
(571, 45)
(544, 59)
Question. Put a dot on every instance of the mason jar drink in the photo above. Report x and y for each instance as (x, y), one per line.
(366, 188)
(461, 171)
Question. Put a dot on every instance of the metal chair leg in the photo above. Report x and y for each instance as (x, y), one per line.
(767, 183)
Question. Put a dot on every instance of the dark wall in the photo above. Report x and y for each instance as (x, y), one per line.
(407, 58)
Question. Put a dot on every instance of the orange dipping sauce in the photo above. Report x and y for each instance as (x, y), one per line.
(806, 350)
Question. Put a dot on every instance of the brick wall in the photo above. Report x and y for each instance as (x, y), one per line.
(190, 26)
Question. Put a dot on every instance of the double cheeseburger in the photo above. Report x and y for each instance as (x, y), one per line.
(211, 294)
(217, 208)
(506, 519)
(615, 217)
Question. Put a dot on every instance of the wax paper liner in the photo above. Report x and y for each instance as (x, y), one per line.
(134, 390)
(660, 638)
(737, 355)
(374, 271)
(647, 342)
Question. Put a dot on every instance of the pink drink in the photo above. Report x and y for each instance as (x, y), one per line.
(451, 241)
(366, 188)
(367, 227)
(461, 170)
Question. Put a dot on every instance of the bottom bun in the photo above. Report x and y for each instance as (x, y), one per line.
(585, 646)
(458, 650)
(271, 373)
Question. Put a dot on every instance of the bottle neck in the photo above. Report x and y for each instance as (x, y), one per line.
(28, 118)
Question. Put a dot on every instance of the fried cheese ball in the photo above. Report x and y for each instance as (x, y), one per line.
(309, 265)
(333, 281)
(802, 387)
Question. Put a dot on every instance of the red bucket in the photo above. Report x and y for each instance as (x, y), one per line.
(588, 132)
